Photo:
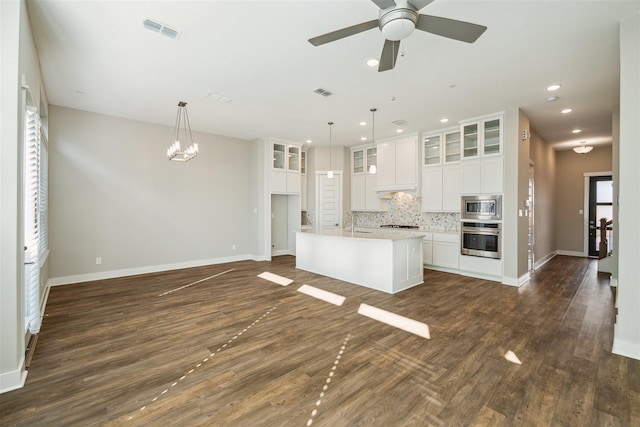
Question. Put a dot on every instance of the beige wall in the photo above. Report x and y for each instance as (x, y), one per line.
(544, 160)
(114, 195)
(570, 170)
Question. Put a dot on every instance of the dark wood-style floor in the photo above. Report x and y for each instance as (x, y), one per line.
(237, 350)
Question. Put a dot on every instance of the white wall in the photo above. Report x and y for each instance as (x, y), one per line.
(114, 195)
(12, 374)
(626, 339)
(19, 58)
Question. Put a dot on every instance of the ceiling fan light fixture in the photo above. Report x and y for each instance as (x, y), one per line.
(398, 29)
(583, 148)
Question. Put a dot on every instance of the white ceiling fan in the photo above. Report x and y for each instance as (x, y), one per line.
(397, 20)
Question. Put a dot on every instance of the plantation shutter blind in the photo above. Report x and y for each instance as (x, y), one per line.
(43, 194)
(31, 218)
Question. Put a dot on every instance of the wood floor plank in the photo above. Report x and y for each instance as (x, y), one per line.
(236, 350)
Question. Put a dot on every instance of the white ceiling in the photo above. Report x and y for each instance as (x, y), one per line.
(97, 56)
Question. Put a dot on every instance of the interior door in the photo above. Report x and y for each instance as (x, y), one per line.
(600, 206)
(329, 201)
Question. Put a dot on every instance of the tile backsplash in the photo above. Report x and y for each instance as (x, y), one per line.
(402, 209)
(406, 209)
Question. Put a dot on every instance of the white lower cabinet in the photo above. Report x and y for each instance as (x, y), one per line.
(441, 250)
(445, 254)
(427, 249)
(481, 266)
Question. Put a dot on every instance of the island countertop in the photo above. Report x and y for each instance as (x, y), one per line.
(359, 234)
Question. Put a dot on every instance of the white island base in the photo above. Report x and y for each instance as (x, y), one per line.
(388, 262)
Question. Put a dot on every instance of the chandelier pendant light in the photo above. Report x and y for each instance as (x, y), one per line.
(182, 136)
(330, 172)
(373, 168)
(583, 148)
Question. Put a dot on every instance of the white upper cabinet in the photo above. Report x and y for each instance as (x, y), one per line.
(452, 146)
(398, 164)
(285, 171)
(481, 137)
(441, 176)
(303, 180)
(363, 184)
(483, 163)
(432, 149)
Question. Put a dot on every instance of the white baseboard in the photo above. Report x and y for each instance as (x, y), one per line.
(67, 280)
(544, 260)
(625, 348)
(13, 380)
(516, 281)
(572, 253)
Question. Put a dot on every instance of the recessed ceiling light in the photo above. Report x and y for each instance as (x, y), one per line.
(373, 62)
(399, 131)
(363, 123)
(566, 110)
(452, 86)
(553, 87)
(576, 131)
(308, 141)
(363, 138)
(444, 120)
(552, 98)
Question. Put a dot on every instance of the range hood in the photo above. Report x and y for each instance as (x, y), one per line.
(390, 191)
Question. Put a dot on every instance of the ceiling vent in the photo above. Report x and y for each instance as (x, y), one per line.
(399, 122)
(219, 98)
(158, 27)
(323, 92)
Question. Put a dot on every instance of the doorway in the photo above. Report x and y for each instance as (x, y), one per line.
(600, 206)
(329, 200)
(531, 225)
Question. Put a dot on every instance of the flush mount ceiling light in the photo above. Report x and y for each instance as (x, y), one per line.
(553, 87)
(583, 148)
(373, 168)
(182, 131)
(330, 173)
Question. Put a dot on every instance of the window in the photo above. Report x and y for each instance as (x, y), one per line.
(35, 213)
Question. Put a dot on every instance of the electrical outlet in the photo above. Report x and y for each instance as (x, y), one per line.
(98, 260)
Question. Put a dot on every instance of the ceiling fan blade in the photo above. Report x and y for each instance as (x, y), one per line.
(389, 55)
(383, 4)
(450, 28)
(419, 4)
(344, 32)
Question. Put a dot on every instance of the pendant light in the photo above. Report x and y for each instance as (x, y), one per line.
(182, 129)
(330, 172)
(583, 148)
(373, 168)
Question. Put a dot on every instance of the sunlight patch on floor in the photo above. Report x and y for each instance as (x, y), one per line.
(320, 294)
(511, 357)
(195, 283)
(275, 278)
(395, 320)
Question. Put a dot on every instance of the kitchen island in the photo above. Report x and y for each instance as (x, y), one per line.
(388, 262)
